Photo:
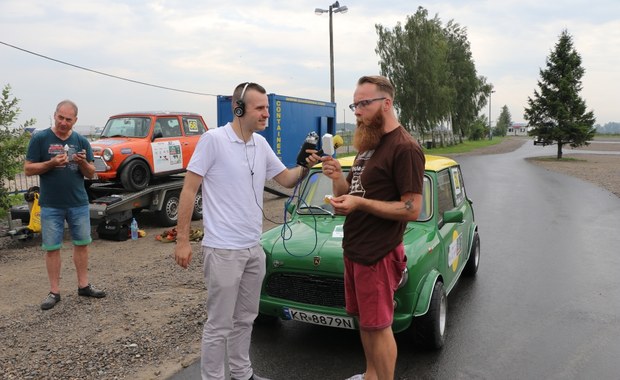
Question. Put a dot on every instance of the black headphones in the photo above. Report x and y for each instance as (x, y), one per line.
(239, 110)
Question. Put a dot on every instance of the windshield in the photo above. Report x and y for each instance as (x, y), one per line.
(318, 186)
(127, 127)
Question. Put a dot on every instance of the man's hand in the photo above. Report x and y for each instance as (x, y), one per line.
(331, 167)
(313, 158)
(79, 157)
(60, 160)
(345, 204)
(183, 252)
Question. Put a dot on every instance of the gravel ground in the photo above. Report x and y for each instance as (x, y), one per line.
(149, 326)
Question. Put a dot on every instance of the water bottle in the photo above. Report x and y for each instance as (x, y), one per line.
(134, 229)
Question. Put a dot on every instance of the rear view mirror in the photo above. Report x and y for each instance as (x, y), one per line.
(453, 216)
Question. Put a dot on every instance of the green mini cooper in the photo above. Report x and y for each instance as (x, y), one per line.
(305, 270)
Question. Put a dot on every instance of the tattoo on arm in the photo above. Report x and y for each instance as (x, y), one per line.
(408, 205)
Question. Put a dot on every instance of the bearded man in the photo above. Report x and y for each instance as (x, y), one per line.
(381, 193)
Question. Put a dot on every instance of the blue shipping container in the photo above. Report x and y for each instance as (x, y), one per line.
(290, 121)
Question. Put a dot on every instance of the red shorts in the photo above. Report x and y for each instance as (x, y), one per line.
(369, 289)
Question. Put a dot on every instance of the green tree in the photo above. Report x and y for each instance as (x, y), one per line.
(479, 128)
(433, 72)
(503, 122)
(557, 112)
(414, 57)
(13, 143)
(467, 87)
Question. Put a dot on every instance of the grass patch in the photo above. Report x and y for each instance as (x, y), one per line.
(466, 146)
(554, 159)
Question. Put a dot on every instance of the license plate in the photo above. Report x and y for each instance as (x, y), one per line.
(319, 319)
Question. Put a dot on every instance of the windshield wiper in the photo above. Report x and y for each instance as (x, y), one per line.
(314, 207)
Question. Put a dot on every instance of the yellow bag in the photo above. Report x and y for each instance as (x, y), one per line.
(35, 215)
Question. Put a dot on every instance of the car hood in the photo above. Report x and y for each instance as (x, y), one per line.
(297, 247)
(105, 143)
(124, 145)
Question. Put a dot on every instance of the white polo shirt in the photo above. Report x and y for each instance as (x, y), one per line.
(234, 175)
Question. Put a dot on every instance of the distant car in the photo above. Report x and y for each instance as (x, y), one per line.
(135, 147)
(304, 279)
(540, 141)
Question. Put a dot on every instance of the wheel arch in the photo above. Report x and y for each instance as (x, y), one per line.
(426, 293)
(131, 158)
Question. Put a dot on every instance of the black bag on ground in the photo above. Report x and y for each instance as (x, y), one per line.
(113, 230)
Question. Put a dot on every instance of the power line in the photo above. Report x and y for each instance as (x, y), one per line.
(106, 74)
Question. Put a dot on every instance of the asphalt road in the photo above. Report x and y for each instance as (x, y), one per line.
(545, 303)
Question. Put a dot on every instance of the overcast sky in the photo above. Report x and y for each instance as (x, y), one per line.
(211, 46)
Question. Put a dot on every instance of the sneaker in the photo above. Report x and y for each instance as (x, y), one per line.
(91, 291)
(256, 377)
(359, 376)
(49, 301)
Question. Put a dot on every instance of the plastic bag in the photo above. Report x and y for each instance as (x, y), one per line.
(35, 215)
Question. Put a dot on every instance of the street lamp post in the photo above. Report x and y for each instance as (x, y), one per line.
(334, 8)
(490, 130)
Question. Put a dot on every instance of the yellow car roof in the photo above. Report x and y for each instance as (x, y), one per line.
(433, 163)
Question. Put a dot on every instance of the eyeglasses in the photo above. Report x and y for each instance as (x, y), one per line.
(363, 103)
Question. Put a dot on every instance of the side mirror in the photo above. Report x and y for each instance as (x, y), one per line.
(453, 216)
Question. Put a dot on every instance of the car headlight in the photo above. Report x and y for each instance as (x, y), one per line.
(107, 154)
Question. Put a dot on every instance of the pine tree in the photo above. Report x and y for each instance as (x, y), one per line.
(503, 122)
(557, 113)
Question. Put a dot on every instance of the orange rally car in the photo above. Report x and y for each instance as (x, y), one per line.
(135, 147)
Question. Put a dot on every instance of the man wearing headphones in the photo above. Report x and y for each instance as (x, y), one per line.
(232, 164)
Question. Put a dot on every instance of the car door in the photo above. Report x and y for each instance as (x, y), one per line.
(193, 128)
(167, 149)
(451, 197)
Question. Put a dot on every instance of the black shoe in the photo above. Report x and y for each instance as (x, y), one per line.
(49, 301)
(91, 291)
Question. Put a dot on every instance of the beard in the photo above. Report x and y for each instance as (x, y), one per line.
(368, 132)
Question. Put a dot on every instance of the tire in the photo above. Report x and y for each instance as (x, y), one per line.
(136, 175)
(471, 268)
(431, 327)
(21, 212)
(169, 213)
(197, 213)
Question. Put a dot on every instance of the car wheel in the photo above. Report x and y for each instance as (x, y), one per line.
(197, 213)
(431, 327)
(471, 268)
(136, 175)
(169, 213)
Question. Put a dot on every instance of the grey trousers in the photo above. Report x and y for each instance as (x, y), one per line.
(233, 279)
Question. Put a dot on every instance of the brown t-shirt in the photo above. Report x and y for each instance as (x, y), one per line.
(395, 167)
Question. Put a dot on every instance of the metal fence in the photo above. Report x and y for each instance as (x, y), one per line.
(21, 183)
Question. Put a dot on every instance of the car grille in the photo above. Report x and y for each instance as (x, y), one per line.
(309, 289)
(100, 165)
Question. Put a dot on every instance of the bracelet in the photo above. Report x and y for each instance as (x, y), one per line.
(302, 172)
